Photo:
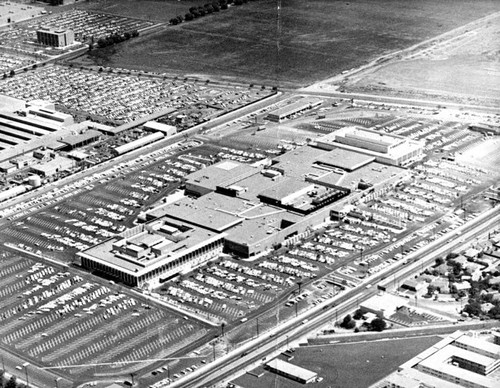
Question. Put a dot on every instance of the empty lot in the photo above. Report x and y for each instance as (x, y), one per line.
(314, 40)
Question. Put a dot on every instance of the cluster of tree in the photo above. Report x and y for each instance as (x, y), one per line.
(348, 322)
(9, 383)
(479, 295)
(55, 2)
(197, 12)
(12, 73)
(116, 38)
(378, 324)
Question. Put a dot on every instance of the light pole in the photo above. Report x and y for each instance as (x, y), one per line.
(57, 381)
(213, 346)
(25, 365)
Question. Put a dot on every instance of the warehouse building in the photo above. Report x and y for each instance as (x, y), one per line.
(133, 145)
(50, 114)
(54, 166)
(149, 254)
(293, 108)
(13, 192)
(80, 140)
(293, 372)
(155, 126)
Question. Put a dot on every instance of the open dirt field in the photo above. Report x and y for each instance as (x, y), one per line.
(315, 39)
(465, 68)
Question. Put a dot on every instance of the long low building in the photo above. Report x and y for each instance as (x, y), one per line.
(293, 108)
(293, 372)
(133, 145)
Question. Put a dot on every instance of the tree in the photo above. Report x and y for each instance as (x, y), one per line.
(348, 322)
(101, 42)
(473, 308)
(494, 312)
(188, 17)
(378, 324)
(12, 73)
(12, 383)
(439, 261)
(358, 314)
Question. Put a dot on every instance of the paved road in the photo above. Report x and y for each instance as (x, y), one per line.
(397, 100)
(36, 376)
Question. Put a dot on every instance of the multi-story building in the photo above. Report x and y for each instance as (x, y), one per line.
(459, 360)
(55, 37)
(151, 253)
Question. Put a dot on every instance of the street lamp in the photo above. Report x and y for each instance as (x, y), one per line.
(25, 365)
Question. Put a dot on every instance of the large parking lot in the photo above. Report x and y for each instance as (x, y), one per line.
(61, 318)
(98, 207)
(123, 97)
(87, 25)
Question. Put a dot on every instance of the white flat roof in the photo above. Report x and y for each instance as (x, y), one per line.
(479, 343)
(439, 362)
(292, 370)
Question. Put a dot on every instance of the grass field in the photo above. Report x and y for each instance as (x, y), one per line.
(346, 365)
(315, 39)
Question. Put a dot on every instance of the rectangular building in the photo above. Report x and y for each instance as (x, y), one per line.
(289, 110)
(151, 253)
(386, 148)
(55, 38)
(291, 371)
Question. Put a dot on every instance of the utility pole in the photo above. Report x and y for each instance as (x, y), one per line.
(25, 365)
